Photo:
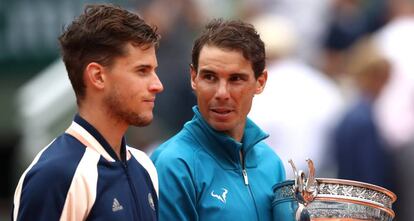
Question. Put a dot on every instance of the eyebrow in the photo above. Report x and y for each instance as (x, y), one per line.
(206, 71)
(145, 66)
(239, 74)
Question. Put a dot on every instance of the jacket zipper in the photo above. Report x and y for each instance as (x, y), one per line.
(245, 177)
(131, 186)
(246, 182)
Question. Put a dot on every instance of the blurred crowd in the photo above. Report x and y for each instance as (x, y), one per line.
(340, 88)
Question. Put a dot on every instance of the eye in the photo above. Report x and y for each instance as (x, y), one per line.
(209, 77)
(143, 71)
(237, 78)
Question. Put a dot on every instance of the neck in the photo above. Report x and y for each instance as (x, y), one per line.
(236, 133)
(237, 136)
(111, 129)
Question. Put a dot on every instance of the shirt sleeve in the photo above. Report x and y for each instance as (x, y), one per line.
(57, 191)
(39, 195)
(177, 189)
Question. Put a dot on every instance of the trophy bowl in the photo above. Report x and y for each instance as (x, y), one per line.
(326, 199)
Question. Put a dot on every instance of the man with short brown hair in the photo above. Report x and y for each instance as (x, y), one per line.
(89, 173)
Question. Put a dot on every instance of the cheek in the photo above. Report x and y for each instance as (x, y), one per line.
(242, 94)
(204, 94)
(244, 100)
(244, 89)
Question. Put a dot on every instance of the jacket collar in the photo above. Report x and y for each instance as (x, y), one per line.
(89, 136)
(223, 147)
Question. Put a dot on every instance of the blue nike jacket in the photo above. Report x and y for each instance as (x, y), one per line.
(201, 176)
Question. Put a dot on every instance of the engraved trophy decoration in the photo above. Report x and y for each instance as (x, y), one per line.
(307, 198)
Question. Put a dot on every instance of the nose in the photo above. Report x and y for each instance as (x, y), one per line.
(156, 85)
(222, 91)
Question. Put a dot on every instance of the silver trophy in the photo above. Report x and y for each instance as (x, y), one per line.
(308, 198)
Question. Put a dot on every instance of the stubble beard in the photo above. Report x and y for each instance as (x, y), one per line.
(117, 110)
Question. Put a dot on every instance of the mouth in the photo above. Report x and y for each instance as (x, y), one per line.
(152, 100)
(221, 111)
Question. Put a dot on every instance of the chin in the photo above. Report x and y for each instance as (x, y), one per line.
(219, 126)
(142, 123)
(141, 120)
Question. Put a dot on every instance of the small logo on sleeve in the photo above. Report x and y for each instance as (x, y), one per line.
(221, 197)
(116, 206)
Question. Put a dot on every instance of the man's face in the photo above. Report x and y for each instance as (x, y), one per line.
(225, 86)
(133, 85)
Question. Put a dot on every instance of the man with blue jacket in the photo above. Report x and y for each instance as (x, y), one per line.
(218, 167)
(89, 172)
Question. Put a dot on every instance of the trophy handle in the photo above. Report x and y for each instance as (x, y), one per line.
(305, 189)
(311, 188)
(299, 186)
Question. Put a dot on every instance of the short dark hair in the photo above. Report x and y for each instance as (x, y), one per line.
(99, 35)
(233, 35)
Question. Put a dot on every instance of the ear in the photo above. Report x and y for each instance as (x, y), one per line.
(193, 76)
(94, 75)
(261, 82)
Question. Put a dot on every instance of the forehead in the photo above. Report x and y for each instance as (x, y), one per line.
(135, 54)
(223, 60)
